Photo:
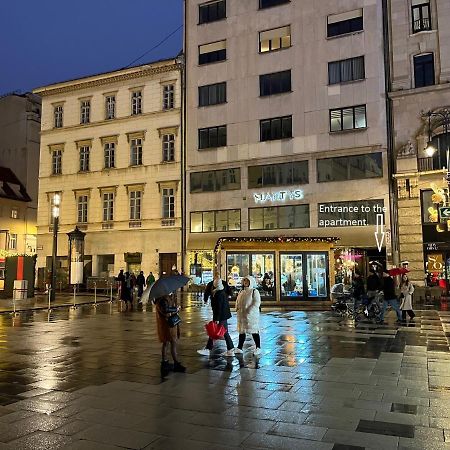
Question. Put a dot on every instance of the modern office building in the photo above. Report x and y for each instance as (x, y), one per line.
(286, 142)
(111, 149)
(420, 96)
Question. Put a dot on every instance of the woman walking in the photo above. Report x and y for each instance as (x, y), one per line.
(168, 336)
(407, 290)
(247, 308)
(221, 314)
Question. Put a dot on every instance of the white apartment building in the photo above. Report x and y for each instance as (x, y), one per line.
(286, 148)
(111, 148)
(420, 68)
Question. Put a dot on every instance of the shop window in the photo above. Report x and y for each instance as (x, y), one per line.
(291, 273)
(429, 209)
(355, 167)
(316, 275)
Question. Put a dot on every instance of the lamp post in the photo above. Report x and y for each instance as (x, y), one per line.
(55, 216)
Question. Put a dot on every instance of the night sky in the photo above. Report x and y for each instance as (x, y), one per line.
(46, 41)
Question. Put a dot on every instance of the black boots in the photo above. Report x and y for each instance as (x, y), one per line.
(177, 367)
(166, 367)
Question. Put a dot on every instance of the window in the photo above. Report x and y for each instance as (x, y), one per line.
(14, 213)
(428, 207)
(168, 203)
(168, 96)
(136, 103)
(212, 137)
(82, 209)
(136, 152)
(216, 180)
(108, 206)
(355, 167)
(110, 107)
(135, 205)
(58, 115)
(211, 221)
(269, 3)
(345, 214)
(346, 70)
(212, 11)
(285, 174)
(423, 70)
(276, 128)
(85, 111)
(421, 15)
(84, 159)
(212, 94)
(275, 83)
(110, 155)
(349, 22)
(350, 118)
(168, 150)
(295, 216)
(13, 241)
(275, 39)
(214, 52)
(56, 162)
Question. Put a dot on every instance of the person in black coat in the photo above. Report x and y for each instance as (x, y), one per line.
(140, 282)
(221, 314)
(390, 297)
(357, 287)
(210, 287)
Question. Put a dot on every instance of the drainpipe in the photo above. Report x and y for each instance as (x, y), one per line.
(183, 146)
(393, 202)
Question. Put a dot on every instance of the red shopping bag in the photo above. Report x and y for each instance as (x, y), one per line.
(215, 330)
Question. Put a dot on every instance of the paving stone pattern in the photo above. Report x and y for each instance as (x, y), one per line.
(88, 378)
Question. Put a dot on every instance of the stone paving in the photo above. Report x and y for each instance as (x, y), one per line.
(89, 379)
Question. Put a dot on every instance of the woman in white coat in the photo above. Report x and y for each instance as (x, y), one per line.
(407, 290)
(247, 308)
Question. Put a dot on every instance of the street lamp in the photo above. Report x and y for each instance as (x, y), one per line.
(55, 216)
(443, 119)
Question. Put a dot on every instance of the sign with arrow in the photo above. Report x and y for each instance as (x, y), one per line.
(380, 233)
(444, 213)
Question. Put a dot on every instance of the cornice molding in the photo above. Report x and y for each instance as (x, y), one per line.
(78, 85)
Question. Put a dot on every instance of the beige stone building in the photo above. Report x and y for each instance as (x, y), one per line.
(286, 148)
(111, 148)
(420, 68)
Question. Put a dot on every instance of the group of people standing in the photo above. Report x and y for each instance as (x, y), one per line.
(128, 283)
(383, 281)
(248, 304)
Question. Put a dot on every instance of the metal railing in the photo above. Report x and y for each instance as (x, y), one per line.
(422, 24)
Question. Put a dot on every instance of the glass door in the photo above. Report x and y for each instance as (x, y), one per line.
(263, 270)
(316, 275)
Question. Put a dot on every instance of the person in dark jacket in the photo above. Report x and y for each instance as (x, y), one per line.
(140, 282)
(390, 298)
(357, 287)
(221, 314)
(121, 281)
(374, 283)
(210, 287)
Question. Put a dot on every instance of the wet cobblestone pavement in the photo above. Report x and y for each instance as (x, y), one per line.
(89, 379)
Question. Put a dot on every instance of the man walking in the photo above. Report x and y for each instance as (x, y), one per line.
(140, 281)
(389, 296)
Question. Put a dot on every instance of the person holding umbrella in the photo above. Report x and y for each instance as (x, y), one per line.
(221, 314)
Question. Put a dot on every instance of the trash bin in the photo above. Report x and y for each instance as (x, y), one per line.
(20, 289)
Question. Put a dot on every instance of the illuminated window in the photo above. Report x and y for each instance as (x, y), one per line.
(275, 39)
(350, 118)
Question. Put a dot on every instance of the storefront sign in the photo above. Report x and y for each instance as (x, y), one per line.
(444, 214)
(278, 196)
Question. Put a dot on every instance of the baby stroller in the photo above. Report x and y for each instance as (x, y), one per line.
(370, 308)
(342, 301)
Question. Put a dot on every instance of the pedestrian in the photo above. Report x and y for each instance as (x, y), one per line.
(150, 279)
(374, 284)
(357, 288)
(407, 290)
(168, 335)
(121, 284)
(210, 287)
(127, 290)
(389, 296)
(140, 282)
(221, 314)
(248, 303)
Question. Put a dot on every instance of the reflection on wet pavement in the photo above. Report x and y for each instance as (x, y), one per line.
(87, 377)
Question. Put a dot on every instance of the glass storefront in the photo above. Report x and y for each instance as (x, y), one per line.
(303, 275)
(201, 266)
(259, 265)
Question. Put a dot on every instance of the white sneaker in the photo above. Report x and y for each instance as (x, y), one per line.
(238, 351)
(257, 351)
(228, 353)
(204, 352)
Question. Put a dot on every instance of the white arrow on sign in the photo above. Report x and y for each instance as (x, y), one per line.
(445, 212)
(379, 234)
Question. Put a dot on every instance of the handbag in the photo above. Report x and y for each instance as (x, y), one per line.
(173, 320)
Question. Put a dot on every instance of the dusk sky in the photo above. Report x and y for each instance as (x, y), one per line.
(47, 41)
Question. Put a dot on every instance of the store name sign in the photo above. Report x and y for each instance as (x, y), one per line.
(278, 196)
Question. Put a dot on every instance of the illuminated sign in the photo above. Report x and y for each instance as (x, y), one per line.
(278, 196)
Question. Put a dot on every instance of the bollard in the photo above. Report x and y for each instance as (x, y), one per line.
(60, 287)
(74, 296)
(14, 303)
(49, 300)
(95, 294)
(111, 293)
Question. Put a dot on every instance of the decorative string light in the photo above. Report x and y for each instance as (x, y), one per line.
(274, 240)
